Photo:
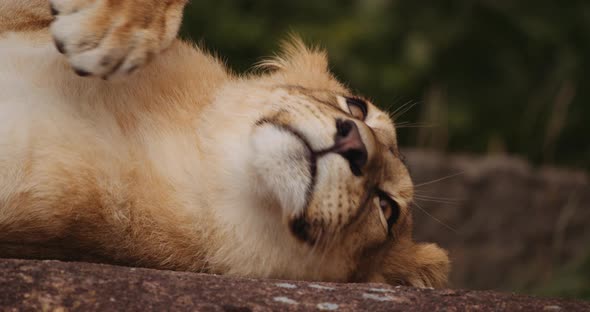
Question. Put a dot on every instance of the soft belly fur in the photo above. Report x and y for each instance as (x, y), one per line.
(82, 163)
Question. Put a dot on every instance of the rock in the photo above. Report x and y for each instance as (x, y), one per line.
(514, 226)
(27, 285)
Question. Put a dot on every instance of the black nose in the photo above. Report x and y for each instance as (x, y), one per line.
(349, 144)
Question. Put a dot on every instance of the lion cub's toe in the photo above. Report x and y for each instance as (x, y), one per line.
(106, 38)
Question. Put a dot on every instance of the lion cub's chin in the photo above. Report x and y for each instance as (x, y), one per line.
(284, 165)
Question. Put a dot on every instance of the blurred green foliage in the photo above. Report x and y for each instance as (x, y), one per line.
(572, 282)
(487, 76)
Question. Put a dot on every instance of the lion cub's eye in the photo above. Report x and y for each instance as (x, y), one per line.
(356, 107)
(389, 208)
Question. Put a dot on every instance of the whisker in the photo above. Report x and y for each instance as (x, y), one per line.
(404, 125)
(439, 180)
(401, 107)
(389, 106)
(328, 243)
(435, 219)
(448, 199)
(316, 246)
(403, 110)
(431, 194)
(435, 201)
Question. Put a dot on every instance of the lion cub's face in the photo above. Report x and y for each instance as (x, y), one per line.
(326, 161)
(332, 161)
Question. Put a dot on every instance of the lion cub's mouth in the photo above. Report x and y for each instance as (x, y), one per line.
(297, 222)
(286, 162)
(313, 155)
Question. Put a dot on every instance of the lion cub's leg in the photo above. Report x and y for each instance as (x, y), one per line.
(110, 37)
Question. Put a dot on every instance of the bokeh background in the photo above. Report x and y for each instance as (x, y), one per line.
(484, 77)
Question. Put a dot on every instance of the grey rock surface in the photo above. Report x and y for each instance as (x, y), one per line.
(514, 226)
(27, 285)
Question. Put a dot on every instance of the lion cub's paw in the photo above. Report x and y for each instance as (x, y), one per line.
(113, 37)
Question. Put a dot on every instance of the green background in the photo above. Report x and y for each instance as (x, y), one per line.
(486, 76)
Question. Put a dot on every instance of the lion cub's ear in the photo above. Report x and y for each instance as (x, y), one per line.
(417, 265)
(300, 65)
(296, 56)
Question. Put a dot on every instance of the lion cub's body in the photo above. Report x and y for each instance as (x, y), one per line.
(121, 164)
(87, 145)
(148, 170)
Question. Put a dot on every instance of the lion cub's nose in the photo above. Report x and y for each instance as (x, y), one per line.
(349, 144)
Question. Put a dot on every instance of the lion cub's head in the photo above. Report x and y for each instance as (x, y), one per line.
(319, 170)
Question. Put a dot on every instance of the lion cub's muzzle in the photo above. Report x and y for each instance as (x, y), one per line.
(298, 174)
(349, 144)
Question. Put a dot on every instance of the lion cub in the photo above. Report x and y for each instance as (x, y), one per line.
(181, 165)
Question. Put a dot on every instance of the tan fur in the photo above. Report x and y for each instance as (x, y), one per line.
(183, 165)
(24, 15)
